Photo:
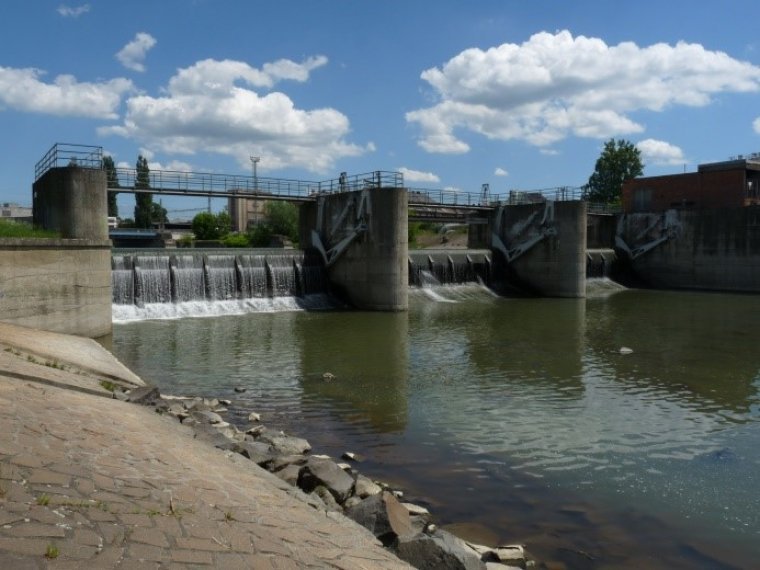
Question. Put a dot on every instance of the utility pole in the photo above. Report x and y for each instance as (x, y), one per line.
(254, 161)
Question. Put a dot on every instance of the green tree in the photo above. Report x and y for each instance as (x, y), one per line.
(143, 200)
(158, 214)
(619, 161)
(280, 218)
(209, 226)
(112, 182)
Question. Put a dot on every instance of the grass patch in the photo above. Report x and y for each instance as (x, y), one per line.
(9, 229)
(43, 500)
(108, 385)
(51, 551)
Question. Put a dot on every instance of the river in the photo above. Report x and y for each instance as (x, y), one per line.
(513, 419)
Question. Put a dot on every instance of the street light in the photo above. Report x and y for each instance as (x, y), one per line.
(254, 161)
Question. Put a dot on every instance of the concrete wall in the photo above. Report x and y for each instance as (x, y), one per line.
(372, 273)
(57, 285)
(72, 201)
(709, 249)
(555, 266)
(600, 231)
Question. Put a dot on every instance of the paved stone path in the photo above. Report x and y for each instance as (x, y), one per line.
(96, 483)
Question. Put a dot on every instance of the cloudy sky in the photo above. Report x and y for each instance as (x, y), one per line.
(453, 94)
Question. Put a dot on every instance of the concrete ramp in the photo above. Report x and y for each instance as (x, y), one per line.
(80, 353)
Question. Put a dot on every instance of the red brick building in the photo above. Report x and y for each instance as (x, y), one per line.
(729, 184)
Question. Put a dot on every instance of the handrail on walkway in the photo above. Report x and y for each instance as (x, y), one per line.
(456, 198)
(230, 184)
(207, 183)
(67, 154)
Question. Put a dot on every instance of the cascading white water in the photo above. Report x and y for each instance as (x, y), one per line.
(448, 267)
(123, 280)
(197, 284)
(188, 282)
(283, 275)
(221, 278)
(253, 276)
(152, 283)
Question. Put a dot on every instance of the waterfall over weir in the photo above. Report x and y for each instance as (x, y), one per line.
(428, 267)
(159, 284)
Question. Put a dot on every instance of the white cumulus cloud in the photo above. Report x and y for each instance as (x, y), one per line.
(24, 90)
(417, 175)
(756, 125)
(500, 172)
(555, 85)
(73, 11)
(660, 153)
(217, 106)
(133, 54)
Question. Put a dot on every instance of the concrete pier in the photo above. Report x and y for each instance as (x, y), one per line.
(544, 246)
(364, 237)
(73, 201)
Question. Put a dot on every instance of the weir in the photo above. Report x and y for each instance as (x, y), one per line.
(449, 267)
(140, 278)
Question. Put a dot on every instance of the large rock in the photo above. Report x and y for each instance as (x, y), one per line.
(258, 452)
(209, 434)
(207, 416)
(289, 474)
(325, 472)
(325, 495)
(284, 444)
(438, 551)
(383, 516)
(282, 461)
(144, 395)
(365, 487)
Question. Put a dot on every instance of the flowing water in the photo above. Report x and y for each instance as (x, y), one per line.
(513, 419)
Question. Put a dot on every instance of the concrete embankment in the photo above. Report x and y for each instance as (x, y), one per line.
(93, 482)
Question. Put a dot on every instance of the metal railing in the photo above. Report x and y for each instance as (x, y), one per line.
(66, 154)
(350, 183)
(209, 184)
(454, 198)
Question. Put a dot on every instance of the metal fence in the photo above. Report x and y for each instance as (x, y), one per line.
(66, 154)
(457, 198)
(208, 183)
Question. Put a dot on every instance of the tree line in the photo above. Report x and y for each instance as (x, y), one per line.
(147, 212)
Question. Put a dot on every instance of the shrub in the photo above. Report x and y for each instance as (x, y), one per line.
(11, 229)
(236, 240)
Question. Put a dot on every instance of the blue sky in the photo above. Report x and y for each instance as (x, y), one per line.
(518, 94)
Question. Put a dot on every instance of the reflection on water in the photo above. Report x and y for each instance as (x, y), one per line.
(518, 414)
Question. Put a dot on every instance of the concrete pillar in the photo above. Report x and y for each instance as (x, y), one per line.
(73, 201)
(556, 265)
(372, 272)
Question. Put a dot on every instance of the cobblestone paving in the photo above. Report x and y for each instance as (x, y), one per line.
(88, 482)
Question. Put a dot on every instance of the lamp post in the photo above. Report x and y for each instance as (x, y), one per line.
(254, 161)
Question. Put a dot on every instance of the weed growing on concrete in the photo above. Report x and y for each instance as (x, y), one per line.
(228, 516)
(51, 551)
(108, 385)
(43, 500)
